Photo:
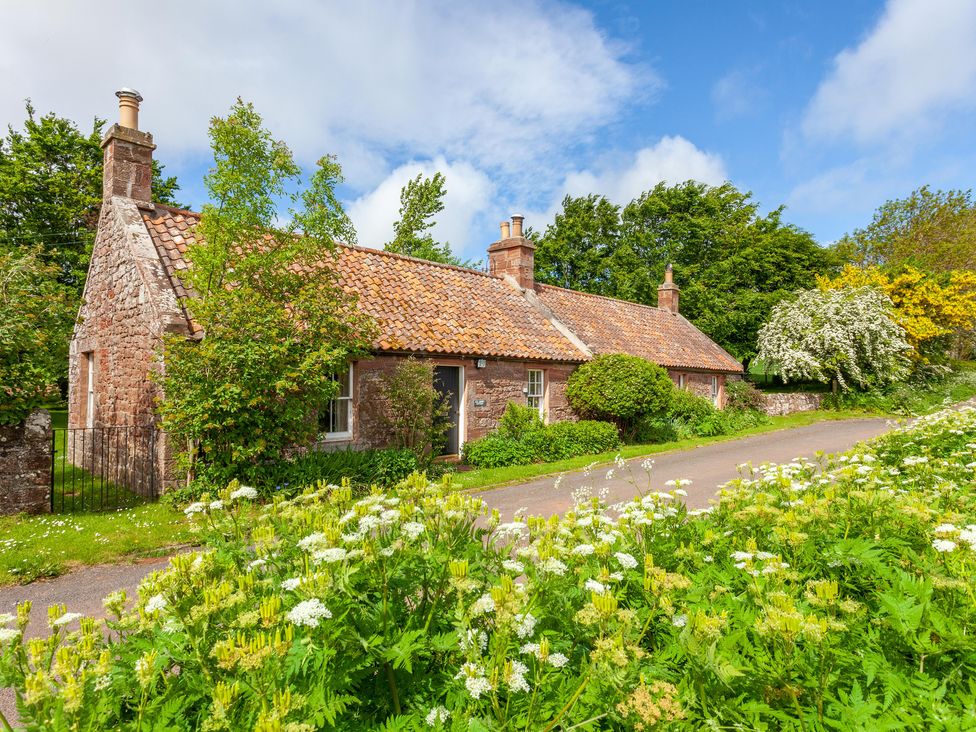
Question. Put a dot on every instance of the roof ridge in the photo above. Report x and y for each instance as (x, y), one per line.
(359, 247)
(603, 297)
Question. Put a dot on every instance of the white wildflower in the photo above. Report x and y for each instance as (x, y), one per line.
(437, 715)
(945, 529)
(155, 603)
(331, 555)
(65, 619)
(552, 566)
(679, 621)
(8, 634)
(557, 660)
(309, 613)
(626, 560)
(483, 605)
(512, 565)
(256, 564)
(474, 680)
(943, 545)
(291, 583)
(413, 529)
(593, 586)
(245, 491)
(524, 625)
(311, 541)
(193, 508)
(216, 505)
(583, 550)
(516, 677)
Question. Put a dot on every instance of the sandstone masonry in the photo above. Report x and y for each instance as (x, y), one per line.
(25, 465)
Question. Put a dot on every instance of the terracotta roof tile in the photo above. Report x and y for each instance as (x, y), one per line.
(423, 307)
(419, 306)
(607, 325)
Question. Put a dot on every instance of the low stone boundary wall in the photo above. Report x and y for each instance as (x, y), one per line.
(779, 404)
(25, 465)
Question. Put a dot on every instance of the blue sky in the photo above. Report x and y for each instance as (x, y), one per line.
(829, 107)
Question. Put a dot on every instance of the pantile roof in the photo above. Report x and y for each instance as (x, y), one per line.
(607, 325)
(429, 308)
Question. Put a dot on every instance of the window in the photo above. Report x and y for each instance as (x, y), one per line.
(681, 381)
(90, 389)
(715, 390)
(335, 421)
(536, 391)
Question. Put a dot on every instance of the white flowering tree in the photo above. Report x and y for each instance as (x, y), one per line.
(844, 336)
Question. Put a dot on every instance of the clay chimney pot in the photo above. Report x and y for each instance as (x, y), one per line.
(506, 233)
(129, 107)
(517, 220)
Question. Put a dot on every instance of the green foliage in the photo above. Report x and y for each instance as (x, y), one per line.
(619, 388)
(919, 395)
(51, 191)
(35, 313)
(519, 420)
(523, 441)
(414, 411)
(421, 199)
(741, 394)
(931, 230)
(277, 326)
(732, 264)
(361, 468)
(689, 415)
(816, 595)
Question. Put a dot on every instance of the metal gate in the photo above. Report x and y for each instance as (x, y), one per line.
(103, 468)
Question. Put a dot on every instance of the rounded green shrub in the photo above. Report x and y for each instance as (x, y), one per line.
(496, 451)
(518, 421)
(620, 389)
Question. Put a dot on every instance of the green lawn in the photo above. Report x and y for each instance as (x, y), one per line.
(49, 545)
(496, 477)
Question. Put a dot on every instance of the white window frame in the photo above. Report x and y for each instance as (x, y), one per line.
(715, 390)
(541, 395)
(681, 381)
(90, 389)
(337, 400)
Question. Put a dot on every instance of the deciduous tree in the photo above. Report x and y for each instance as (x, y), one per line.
(277, 328)
(421, 199)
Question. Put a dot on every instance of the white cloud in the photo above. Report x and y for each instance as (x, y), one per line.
(736, 94)
(673, 159)
(918, 62)
(469, 195)
(496, 83)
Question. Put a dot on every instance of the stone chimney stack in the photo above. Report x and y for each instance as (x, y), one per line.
(127, 167)
(513, 254)
(667, 292)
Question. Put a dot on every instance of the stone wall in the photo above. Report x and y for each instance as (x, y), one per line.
(25, 465)
(128, 306)
(487, 391)
(788, 403)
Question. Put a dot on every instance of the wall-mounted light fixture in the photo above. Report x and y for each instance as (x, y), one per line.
(480, 363)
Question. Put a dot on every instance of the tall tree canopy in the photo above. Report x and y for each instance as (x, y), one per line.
(421, 199)
(51, 190)
(278, 328)
(732, 263)
(930, 230)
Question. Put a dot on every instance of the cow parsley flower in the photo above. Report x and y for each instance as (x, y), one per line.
(552, 566)
(626, 560)
(331, 555)
(291, 583)
(524, 625)
(483, 605)
(155, 603)
(245, 491)
(309, 613)
(557, 660)
(437, 715)
(583, 550)
(197, 507)
(593, 586)
(413, 529)
(511, 565)
(65, 619)
(679, 621)
(516, 677)
(474, 680)
(943, 545)
(216, 505)
(8, 634)
(311, 541)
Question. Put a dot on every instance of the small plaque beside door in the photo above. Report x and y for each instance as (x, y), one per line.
(480, 402)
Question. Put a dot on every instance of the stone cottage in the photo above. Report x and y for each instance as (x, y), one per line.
(494, 337)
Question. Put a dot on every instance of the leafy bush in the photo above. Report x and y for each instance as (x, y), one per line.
(689, 415)
(414, 411)
(740, 394)
(619, 388)
(816, 596)
(362, 468)
(498, 451)
(542, 443)
(518, 420)
(917, 396)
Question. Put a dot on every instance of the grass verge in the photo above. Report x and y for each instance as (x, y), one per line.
(497, 477)
(50, 545)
